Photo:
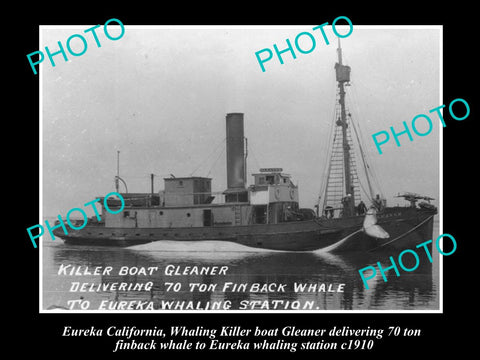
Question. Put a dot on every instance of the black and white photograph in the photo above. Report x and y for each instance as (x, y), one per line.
(233, 181)
(242, 168)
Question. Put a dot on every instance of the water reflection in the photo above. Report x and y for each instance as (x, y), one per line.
(417, 290)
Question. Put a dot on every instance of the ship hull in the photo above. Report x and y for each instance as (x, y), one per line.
(407, 227)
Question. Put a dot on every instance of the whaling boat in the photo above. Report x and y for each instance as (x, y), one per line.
(266, 214)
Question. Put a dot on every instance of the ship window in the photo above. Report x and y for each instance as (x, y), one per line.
(180, 182)
(261, 180)
(161, 212)
(284, 180)
(188, 214)
(270, 179)
(126, 213)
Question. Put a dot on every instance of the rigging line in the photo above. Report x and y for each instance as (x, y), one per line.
(363, 159)
(402, 235)
(328, 146)
(355, 175)
(163, 175)
(368, 159)
(324, 156)
(135, 176)
(359, 184)
(365, 192)
(221, 153)
(252, 154)
(209, 155)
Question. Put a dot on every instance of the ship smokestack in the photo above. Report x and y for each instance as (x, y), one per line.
(235, 152)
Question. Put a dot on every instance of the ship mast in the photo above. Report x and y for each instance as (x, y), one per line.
(341, 190)
(343, 76)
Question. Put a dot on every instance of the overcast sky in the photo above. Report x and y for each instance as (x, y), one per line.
(160, 96)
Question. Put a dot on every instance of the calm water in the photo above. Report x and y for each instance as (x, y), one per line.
(417, 290)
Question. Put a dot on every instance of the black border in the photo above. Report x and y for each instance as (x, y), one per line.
(42, 332)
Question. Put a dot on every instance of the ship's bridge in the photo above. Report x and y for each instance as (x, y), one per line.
(271, 185)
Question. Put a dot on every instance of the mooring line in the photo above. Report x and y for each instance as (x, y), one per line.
(401, 236)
